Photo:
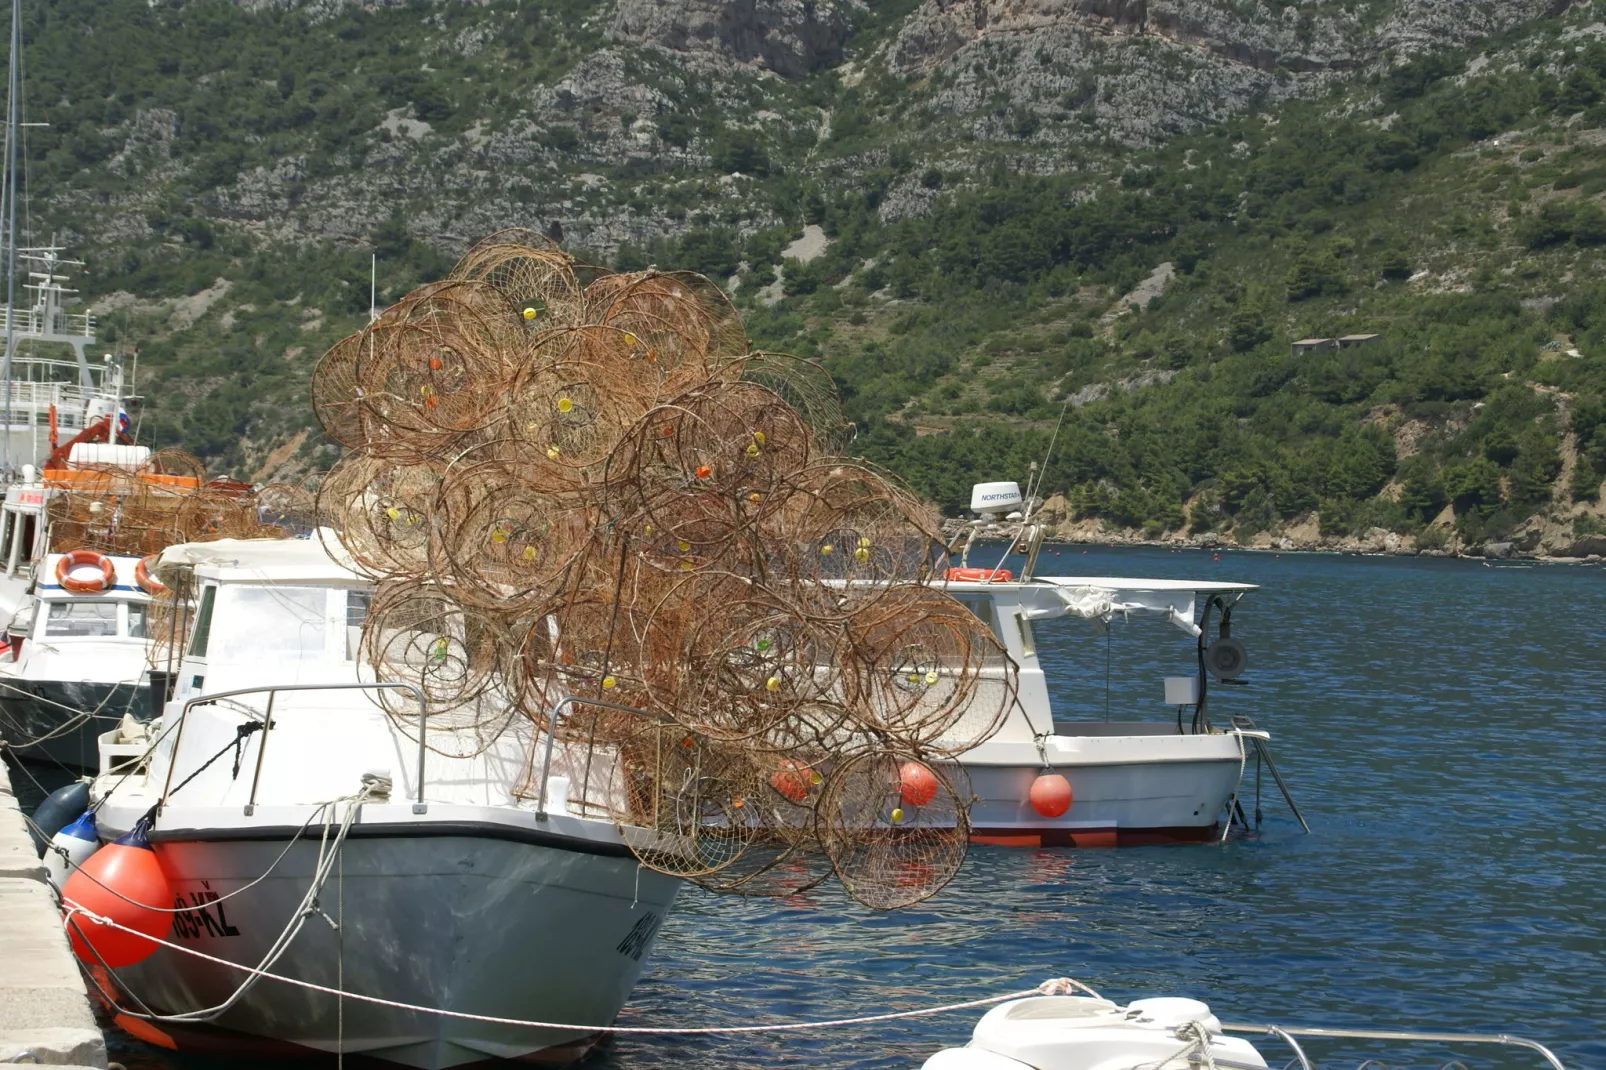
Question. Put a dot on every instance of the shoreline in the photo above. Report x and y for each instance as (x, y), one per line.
(1520, 558)
(1347, 546)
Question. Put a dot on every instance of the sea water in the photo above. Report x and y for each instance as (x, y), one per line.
(1442, 724)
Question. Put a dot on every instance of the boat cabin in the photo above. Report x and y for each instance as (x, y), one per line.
(109, 606)
(274, 654)
(1020, 612)
(268, 612)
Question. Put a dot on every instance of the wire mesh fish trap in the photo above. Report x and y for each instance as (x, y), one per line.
(570, 482)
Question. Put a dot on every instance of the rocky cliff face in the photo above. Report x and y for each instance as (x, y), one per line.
(629, 123)
(790, 37)
(1139, 71)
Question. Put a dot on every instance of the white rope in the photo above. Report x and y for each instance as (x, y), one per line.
(73, 867)
(1196, 1050)
(304, 910)
(1058, 986)
(1233, 804)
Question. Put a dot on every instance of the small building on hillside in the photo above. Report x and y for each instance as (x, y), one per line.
(1310, 345)
(1348, 340)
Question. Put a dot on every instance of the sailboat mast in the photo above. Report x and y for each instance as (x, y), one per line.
(11, 219)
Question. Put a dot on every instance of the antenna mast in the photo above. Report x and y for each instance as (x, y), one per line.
(11, 220)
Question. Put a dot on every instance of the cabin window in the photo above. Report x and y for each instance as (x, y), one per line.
(203, 623)
(81, 620)
(982, 607)
(357, 603)
(136, 620)
(272, 625)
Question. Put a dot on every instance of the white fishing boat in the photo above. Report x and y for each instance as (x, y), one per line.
(1076, 1029)
(1046, 781)
(60, 416)
(74, 661)
(452, 891)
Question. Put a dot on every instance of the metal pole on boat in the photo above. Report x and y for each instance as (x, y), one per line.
(1107, 627)
(1260, 749)
(11, 213)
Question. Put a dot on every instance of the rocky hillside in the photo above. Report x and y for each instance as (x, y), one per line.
(979, 213)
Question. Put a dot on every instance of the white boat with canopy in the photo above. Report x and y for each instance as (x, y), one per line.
(456, 888)
(1042, 780)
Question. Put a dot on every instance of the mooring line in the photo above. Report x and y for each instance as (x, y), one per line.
(1058, 986)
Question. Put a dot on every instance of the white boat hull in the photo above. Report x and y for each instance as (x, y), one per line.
(1125, 790)
(475, 918)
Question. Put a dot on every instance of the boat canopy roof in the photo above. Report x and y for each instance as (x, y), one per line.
(1105, 597)
(318, 559)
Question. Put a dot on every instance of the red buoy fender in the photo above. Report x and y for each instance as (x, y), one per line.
(79, 559)
(1050, 795)
(917, 784)
(142, 576)
(120, 882)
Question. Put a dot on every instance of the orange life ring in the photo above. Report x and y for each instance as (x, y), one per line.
(980, 575)
(79, 558)
(142, 576)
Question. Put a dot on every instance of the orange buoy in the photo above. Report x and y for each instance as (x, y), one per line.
(1050, 795)
(123, 870)
(85, 558)
(917, 784)
(142, 576)
(791, 780)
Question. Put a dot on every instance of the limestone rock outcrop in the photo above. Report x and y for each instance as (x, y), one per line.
(790, 37)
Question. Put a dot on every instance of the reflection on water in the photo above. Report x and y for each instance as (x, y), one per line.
(1441, 725)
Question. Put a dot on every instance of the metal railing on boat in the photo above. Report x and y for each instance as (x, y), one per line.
(419, 806)
(1288, 1034)
(564, 704)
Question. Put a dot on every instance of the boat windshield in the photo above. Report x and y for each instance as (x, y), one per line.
(270, 625)
(81, 619)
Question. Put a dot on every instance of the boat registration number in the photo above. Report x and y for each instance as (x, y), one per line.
(639, 937)
(202, 914)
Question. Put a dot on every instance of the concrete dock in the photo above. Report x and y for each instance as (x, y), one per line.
(44, 1011)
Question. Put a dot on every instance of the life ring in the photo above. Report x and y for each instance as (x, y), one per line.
(79, 558)
(979, 575)
(142, 576)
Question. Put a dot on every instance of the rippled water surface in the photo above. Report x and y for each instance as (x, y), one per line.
(1442, 725)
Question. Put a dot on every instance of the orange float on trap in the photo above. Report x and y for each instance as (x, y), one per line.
(917, 784)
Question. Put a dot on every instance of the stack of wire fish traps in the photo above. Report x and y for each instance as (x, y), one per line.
(565, 481)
